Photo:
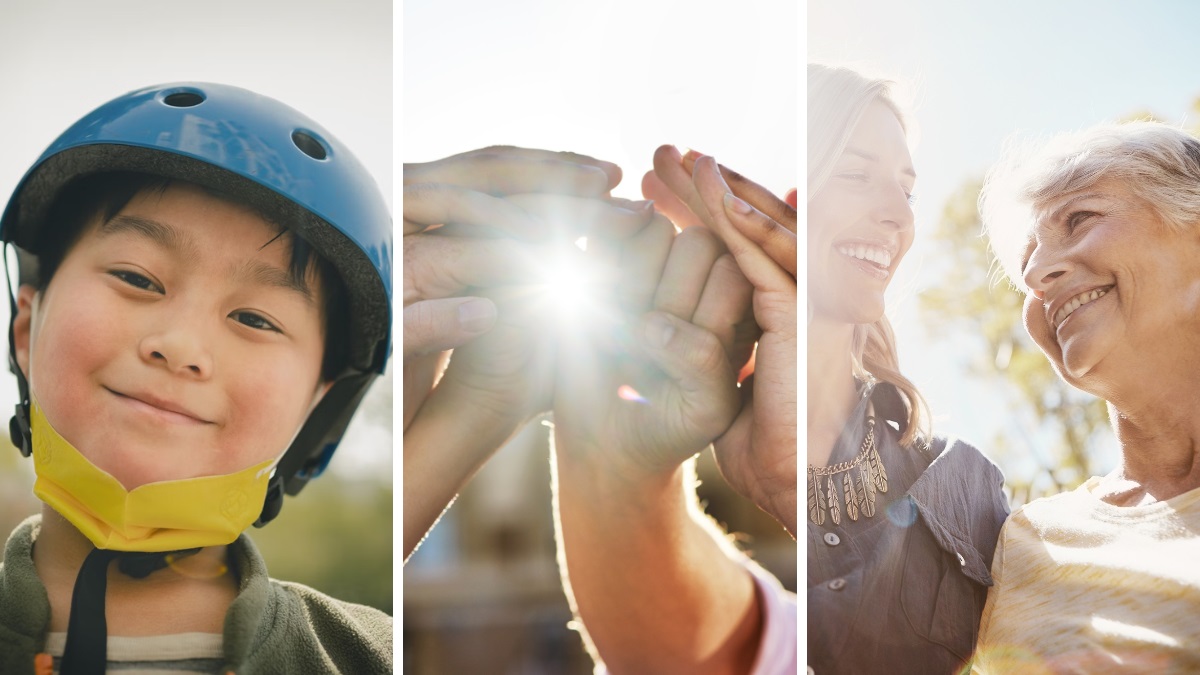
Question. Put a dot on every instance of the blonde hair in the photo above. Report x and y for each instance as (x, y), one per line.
(1158, 163)
(837, 99)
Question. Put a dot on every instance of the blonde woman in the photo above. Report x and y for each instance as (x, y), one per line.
(901, 525)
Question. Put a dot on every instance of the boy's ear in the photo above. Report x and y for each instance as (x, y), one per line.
(22, 324)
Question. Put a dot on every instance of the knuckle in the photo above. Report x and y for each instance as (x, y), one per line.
(697, 241)
(705, 351)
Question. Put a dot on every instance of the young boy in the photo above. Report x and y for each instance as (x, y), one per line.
(205, 297)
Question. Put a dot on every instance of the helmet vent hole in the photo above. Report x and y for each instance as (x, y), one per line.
(309, 145)
(183, 99)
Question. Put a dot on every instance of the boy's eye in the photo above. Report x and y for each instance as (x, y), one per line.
(254, 321)
(136, 280)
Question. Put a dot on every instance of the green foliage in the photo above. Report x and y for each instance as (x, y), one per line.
(974, 301)
(335, 536)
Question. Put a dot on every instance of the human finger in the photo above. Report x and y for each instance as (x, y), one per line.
(610, 169)
(775, 240)
(692, 255)
(584, 216)
(643, 256)
(666, 203)
(694, 359)
(759, 268)
(669, 168)
(437, 266)
(791, 198)
(758, 196)
(503, 170)
(724, 308)
(438, 325)
(468, 211)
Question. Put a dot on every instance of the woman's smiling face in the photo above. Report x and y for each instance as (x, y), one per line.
(860, 222)
(1109, 284)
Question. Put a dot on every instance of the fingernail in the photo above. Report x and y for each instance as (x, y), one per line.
(646, 205)
(659, 330)
(476, 316)
(688, 153)
(736, 205)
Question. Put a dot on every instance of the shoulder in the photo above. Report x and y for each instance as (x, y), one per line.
(291, 628)
(356, 637)
(961, 499)
(1064, 510)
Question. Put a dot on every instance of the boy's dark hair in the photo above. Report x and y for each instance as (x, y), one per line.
(105, 194)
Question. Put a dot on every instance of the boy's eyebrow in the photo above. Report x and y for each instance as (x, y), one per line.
(258, 272)
(159, 233)
(181, 245)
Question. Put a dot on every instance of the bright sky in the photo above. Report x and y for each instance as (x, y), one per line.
(611, 79)
(982, 71)
(59, 59)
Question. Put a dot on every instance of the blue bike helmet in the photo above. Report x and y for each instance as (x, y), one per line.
(268, 156)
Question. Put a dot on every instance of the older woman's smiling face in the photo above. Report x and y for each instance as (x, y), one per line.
(1109, 285)
(860, 223)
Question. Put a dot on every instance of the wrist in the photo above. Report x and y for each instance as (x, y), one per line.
(594, 468)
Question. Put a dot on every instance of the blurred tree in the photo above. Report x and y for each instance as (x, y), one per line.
(1056, 423)
(974, 300)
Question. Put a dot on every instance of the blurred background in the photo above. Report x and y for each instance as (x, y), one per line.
(60, 59)
(977, 73)
(613, 80)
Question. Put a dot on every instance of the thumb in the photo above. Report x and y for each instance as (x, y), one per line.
(691, 356)
(438, 325)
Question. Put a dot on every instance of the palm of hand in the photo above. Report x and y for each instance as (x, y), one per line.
(757, 456)
(639, 418)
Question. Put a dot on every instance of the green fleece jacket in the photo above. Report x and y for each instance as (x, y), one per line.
(272, 627)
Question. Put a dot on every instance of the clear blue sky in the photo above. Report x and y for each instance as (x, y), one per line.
(982, 71)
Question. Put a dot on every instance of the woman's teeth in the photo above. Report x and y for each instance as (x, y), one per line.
(1077, 302)
(873, 254)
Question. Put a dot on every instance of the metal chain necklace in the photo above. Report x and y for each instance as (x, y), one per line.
(859, 490)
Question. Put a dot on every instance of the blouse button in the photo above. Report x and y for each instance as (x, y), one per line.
(962, 562)
(837, 584)
(832, 539)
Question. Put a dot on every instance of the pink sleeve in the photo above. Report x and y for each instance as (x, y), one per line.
(777, 651)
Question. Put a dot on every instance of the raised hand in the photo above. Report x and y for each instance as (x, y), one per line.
(656, 588)
(647, 409)
(480, 228)
(757, 454)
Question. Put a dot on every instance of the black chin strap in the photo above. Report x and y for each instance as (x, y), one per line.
(86, 652)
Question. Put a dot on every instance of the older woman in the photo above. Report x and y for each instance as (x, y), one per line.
(1102, 230)
(901, 526)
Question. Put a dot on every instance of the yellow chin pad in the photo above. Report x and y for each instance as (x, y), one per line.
(164, 516)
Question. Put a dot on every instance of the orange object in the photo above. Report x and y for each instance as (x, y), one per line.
(43, 664)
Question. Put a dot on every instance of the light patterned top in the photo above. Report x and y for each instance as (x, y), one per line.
(1083, 586)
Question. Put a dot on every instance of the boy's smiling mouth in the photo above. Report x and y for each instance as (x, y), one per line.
(163, 409)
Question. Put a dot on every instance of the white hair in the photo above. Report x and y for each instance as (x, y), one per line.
(1158, 163)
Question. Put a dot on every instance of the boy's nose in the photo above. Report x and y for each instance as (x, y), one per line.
(179, 352)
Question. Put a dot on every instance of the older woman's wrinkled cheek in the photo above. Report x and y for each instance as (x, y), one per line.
(1034, 318)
